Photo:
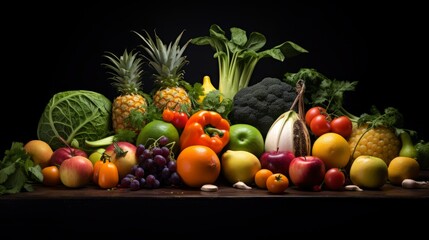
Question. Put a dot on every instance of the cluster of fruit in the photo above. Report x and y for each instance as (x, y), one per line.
(156, 167)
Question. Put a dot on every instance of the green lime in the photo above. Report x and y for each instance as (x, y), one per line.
(155, 129)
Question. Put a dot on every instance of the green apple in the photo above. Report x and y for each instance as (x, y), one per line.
(96, 155)
(239, 166)
(368, 172)
(245, 137)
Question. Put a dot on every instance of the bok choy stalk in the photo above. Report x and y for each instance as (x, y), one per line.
(238, 56)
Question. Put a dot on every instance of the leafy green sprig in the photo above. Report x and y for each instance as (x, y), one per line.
(17, 171)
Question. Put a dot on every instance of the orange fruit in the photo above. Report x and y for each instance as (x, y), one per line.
(51, 176)
(198, 165)
(261, 177)
(40, 152)
(401, 168)
(333, 149)
(277, 183)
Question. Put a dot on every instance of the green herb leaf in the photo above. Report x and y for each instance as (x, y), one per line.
(17, 170)
(6, 172)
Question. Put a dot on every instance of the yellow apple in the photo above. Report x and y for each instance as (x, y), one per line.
(368, 172)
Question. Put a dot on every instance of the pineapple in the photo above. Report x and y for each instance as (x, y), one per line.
(126, 72)
(168, 61)
(380, 142)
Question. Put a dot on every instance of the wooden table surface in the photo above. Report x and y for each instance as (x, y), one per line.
(184, 211)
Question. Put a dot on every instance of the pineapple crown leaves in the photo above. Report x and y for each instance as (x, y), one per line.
(126, 71)
(167, 60)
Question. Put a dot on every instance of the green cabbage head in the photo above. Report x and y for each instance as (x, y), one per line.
(73, 116)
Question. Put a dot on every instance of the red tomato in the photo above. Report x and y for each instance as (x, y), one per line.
(320, 125)
(180, 119)
(277, 183)
(312, 112)
(334, 179)
(168, 115)
(342, 125)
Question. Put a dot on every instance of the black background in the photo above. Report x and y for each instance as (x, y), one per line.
(58, 47)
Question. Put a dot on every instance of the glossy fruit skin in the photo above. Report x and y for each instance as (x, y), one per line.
(261, 177)
(342, 125)
(156, 129)
(106, 174)
(178, 119)
(123, 161)
(401, 168)
(320, 125)
(198, 165)
(76, 172)
(333, 149)
(96, 155)
(51, 176)
(277, 183)
(313, 112)
(240, 166)
(277, 161)
(368, 172)
(335, 179)
(39, 151)
(247, 138)
(307, 172)
(63, 153)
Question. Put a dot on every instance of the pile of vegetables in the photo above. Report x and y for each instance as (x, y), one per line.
(82, 118)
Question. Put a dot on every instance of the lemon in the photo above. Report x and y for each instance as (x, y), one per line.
(401, 168)
(333, 149)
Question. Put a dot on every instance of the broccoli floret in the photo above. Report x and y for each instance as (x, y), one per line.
(262, 103)
(423, 154)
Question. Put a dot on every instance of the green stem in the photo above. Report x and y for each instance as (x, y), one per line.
(211, 131)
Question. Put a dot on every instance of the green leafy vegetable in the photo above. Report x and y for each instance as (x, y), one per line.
(17, 171)
(322, 91)
(213, 102)
(75, 115)
(238, 56)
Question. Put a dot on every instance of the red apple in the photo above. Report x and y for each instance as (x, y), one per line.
(76, 171)
(307, 172)
(277, 161)
(63, 153)
(123, 155)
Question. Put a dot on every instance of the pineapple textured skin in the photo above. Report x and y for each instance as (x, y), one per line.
(122, 107)
(126, 72)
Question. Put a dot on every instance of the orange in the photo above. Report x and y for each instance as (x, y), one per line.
(198, 165)
(51, 176)
(261, 177)
(40, 152)
(401, 168)
(333, 149)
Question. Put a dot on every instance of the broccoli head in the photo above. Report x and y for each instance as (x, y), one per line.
(262, 103)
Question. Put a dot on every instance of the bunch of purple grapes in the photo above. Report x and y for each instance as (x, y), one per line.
(156, 167)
